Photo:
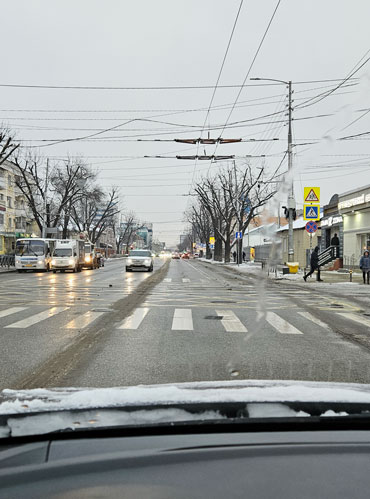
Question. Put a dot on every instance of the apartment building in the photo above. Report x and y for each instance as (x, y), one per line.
(15, 217)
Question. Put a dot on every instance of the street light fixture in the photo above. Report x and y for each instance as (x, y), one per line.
(291, 201)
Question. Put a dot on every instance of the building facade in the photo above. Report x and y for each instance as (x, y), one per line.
(354, 207)
(331, 224)
(302, 241)
(15, 217)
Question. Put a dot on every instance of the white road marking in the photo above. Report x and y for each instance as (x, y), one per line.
(198, 270)
(135, 319)
(34, 319)
(281, 324)
(357, 318)
(185, 280)
(230, 322)
(167, 279)
(83, 320)
(182, 320)
(12, 310)
(312, 318)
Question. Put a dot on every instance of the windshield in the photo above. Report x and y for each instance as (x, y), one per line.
(140, 253)
(62, 252)
(205, 163)
(30, 248)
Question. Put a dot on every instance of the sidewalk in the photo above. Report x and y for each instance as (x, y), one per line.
(329, 277)
(6, 270)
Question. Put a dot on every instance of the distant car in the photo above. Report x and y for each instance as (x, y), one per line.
(185, 256)
(140, 260)
(196, 255)
(175, 256)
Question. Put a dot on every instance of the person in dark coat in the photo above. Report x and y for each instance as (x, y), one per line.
(234, 256)
(244, 256)
(314, 264)
(365, 266)
(334, 240)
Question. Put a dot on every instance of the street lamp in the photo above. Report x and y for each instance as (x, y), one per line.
(291, 201)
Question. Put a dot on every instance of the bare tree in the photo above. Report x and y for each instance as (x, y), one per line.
(7, 145)
(58, 190)
(232, 198)
(125, 233)
(201, 222)
(95, 210)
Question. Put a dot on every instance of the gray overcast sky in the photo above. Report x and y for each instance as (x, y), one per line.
(171, 43)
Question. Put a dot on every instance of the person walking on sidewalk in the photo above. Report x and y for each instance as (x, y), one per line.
(314, 264)
(234, 256)
(365, 266)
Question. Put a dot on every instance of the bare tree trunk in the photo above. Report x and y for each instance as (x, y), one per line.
(208, 251)
(227, 250)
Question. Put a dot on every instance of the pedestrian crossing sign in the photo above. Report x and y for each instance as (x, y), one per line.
(311, 212)
(312, 194)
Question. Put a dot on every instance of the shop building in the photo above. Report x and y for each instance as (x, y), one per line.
(354, 207)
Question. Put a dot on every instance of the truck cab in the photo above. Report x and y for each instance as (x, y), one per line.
(68, 254)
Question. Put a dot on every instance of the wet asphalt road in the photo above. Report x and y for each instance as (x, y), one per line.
(188, 321)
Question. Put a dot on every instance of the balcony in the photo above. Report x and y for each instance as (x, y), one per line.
(2, 205)
(20, 212)
(2, 182)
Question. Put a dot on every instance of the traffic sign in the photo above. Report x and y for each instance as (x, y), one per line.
(212, 246)
(311, 212)
(238, 235)
(212, 240)
(312, 195)
(311, 227)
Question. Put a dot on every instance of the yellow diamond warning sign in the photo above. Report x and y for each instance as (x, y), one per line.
(312, 194)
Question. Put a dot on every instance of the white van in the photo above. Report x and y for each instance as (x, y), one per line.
(69, 254)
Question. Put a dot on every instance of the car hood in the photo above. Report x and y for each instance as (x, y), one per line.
(45, 410)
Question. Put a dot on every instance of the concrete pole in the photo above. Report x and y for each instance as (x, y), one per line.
(291, 200)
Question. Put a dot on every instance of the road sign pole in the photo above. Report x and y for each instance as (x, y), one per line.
(291, 200)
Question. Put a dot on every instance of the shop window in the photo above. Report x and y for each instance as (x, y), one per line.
(365, 242)
(1, 219)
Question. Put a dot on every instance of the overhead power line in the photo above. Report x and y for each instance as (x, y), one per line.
(168, 87)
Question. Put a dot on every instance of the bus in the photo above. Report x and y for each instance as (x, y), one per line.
(32, 253)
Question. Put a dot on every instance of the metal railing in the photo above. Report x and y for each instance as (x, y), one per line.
(328, 255)
(7, 261)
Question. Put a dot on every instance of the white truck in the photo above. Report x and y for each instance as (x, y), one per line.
(68, 254)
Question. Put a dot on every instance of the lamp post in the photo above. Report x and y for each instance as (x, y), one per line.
(291, 205)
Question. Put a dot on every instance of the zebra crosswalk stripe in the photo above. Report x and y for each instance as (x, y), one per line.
(314, 319)
(182, 320)
(356, 318)
(83, 320)
(167, 279)
(280, 324)
(10, 311)
(34, 319)
(135, 319)
(185, 280)
(230, 322)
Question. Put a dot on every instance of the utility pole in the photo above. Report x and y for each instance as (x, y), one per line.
(291, 205)
(291, 200)
(44, 225)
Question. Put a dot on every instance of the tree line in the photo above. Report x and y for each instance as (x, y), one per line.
(66, 195)
(225, 203)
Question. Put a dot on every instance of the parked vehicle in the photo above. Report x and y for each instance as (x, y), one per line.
(139, 259)
(175, 256)
(68, 254)
(91, 258)
(33, 254)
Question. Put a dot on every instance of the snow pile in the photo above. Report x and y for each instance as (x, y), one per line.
(26, 401)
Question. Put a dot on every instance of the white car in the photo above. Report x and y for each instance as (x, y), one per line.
(139, 259)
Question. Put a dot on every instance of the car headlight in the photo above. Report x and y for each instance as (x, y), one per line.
(148, 261)
(129, 261)
(53, 262)
(40, 262)
(71, 261)
(87, 258)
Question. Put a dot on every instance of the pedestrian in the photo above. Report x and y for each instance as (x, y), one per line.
(334, 240)
(365, 266)
(234, 256)
(244, 256)
(314, 265)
